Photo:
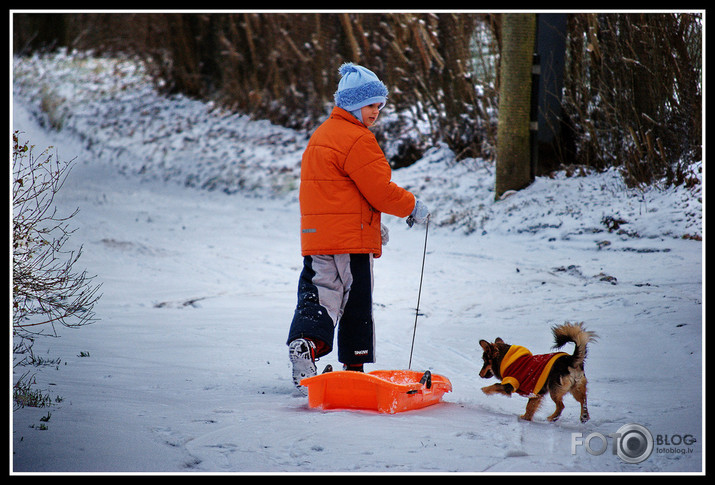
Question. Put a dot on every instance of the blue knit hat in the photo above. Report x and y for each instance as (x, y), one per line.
(359, 87)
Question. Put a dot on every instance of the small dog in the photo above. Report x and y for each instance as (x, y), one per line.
(534, 375)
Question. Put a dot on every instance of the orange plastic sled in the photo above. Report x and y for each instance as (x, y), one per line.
(384, 391)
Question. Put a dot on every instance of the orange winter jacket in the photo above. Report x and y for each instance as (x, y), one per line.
(345, 184)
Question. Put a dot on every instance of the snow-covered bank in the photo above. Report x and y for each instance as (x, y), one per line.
(187, 370)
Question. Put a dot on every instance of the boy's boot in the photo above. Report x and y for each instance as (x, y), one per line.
(302, 355)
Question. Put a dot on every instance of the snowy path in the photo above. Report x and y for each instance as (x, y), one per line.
(188, 371)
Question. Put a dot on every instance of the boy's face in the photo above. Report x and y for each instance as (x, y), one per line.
(370, 113)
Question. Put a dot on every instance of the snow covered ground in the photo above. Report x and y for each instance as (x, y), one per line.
(189, 218)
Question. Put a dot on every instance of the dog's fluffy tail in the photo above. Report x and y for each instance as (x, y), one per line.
(576, 333)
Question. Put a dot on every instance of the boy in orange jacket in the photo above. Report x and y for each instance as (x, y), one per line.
(345, 186)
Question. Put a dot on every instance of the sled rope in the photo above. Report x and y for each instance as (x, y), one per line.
(419, 294)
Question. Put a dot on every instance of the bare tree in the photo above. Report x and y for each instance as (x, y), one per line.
(45, 288)
(513, 170)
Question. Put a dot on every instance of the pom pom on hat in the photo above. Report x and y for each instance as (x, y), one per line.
(359, 87)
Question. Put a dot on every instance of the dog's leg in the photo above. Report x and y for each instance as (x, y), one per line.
(531, 407)
(557, 395)
(498, 389)
(579, 393)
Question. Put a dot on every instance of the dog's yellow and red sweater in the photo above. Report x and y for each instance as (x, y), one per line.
(526, 373)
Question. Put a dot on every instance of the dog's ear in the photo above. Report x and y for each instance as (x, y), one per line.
(499, 341)
(484, 344)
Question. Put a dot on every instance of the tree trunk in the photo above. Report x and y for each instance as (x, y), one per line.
(513, 170)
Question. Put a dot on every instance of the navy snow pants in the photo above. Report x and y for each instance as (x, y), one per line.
(336, 291)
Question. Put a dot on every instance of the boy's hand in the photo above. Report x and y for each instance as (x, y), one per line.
(420, 214)
(385, 233)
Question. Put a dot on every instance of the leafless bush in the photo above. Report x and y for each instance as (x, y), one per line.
(46, 289)
(284, 67)
(633, 92)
